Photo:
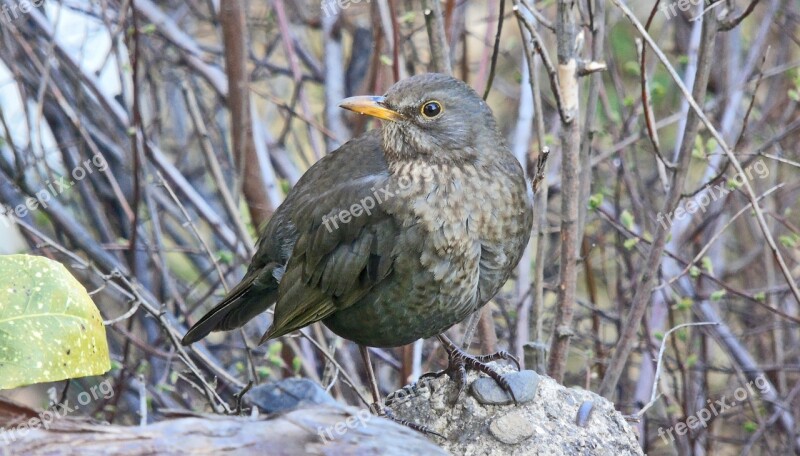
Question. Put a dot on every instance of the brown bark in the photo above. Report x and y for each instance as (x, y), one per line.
(234, 33)
(570, 148)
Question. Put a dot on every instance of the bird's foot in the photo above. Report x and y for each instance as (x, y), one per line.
(385, 412)
(459, 361)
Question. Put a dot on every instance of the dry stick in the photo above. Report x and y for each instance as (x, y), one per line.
(647, 106)
(729, 25)
(496, 50)
(341, 369)
(249, 178)
(196, 233)
(137, 142)
(538, 16)
(647, 278)
(521, 146)
(540, 190)
(655, 394)
(334, 87)
(288, 44)
(211, 256)
(440, 51)
(548, 63)
(597, 21)
(570, 136)
(721, 142)
(216, 171)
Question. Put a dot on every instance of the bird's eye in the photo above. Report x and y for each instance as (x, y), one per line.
(431, 109)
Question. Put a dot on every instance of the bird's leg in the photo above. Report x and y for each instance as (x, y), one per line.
(459, 361)
(377, 407)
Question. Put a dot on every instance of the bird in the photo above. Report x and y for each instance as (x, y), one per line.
(398, 234)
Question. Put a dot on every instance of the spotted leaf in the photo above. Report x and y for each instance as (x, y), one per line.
(49, 327)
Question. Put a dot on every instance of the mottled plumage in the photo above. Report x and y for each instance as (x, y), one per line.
(449, 219)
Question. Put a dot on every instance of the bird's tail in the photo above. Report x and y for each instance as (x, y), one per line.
(249, 298)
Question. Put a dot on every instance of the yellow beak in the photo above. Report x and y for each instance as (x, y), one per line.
(370, 105)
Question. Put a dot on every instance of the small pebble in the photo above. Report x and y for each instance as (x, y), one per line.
(524, 385)
(584, 413)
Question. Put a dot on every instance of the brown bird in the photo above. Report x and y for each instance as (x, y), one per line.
(398, 234)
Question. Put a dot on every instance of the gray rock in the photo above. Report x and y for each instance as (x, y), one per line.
(512, 428)
(523, 384)
(288, 394)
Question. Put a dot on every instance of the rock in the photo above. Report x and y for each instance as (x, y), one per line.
(288, 394)
(545, 425)
(512, 428)
(523, 384)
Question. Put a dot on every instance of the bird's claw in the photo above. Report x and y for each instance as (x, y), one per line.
(459, 361)
(384, 412)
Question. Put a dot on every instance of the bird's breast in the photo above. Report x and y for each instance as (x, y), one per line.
(458, 204)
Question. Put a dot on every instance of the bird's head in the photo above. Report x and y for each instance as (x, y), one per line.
(434, 117)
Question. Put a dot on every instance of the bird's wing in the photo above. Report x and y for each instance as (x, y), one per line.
(344, 248)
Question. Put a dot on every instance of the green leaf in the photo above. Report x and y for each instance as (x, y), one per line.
(50, 329)
(626, 218)
(225, 256)
(632, 68)
(694, 271)
(717, 295)
(788, 241)
(750, 427)
(760, 296)
(628, 101)
(595, 201)
(699, 151)
(707, 265)
(630, 243)
(408, 17)
(685, 304)
(657, 89)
